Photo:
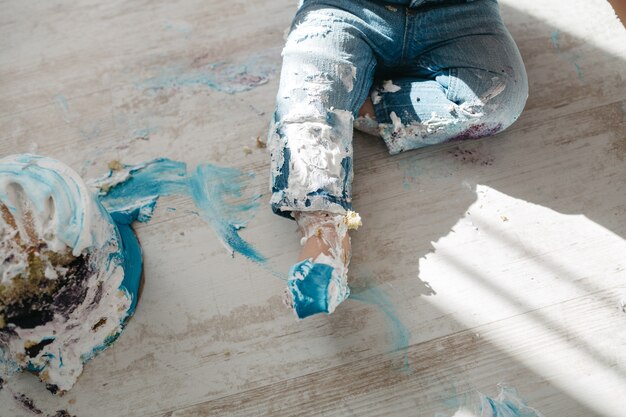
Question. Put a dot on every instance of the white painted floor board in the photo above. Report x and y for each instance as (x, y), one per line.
(504, 259)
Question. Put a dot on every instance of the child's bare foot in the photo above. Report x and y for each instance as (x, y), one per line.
(321, 234)
(366, 119)
(367, 109)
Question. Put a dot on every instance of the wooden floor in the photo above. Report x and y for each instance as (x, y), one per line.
(486, 262)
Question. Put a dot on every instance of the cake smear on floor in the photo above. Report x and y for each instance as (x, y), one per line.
(131, 192)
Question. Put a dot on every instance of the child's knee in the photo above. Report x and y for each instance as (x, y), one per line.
(498, 102)
(507, 108)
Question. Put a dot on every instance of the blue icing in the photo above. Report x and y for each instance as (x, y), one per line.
(31, 367)
(209, 186)
(132, 263)
(220, 76)
(346, 164)
(141, 212)
(310, 294)
(144, 186)
(281, 180)
(506, 404)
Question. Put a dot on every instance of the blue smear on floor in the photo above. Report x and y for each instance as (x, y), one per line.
(506, 404)
(62, 104)
(220, 76)
(144, 133)
(208, 185)
(400, 334)
(554, 37)
(579, 72)
(411, 172)
(90, 131)
(180, 26)
(571, 57)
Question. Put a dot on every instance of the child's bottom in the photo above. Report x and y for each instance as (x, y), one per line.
(434, 73)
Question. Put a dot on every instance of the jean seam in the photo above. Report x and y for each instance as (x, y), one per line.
(382, 112)
(355, 103)
(406, 34)
(452, 76)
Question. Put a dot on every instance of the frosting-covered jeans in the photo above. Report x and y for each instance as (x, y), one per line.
(435, 70)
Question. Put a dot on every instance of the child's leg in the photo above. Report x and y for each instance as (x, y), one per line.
(326, 75)
(466, 82)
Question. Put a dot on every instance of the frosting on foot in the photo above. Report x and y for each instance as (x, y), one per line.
(320, 283)
(315, 288)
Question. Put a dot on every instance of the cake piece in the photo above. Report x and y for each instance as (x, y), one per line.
(69, 279)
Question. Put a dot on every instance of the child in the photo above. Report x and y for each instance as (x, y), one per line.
(415, 73)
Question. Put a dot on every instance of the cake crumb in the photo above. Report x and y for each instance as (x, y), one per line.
(353, 220)
(29, 344)
(27, 403)
(115, 165)
(61, 413)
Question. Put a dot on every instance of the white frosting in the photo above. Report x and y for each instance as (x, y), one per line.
(390, 87)
(399, 136)
(55, 199)
(317, 148)
(375, 96)
(395, 121)
(117, 175)
(318, 161)
(348, 75)
(367, 125)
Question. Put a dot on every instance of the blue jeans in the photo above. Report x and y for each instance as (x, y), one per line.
(435, 70)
